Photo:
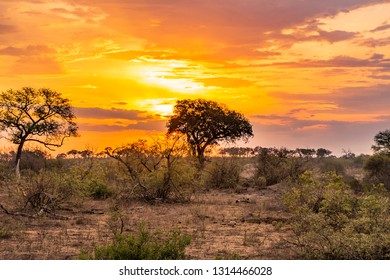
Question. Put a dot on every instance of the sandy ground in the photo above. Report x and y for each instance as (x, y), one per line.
(222, 223)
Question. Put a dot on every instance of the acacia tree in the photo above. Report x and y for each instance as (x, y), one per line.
(378, 165)
(322, 152)
(42, 116)
(206, 123)
(382, 142)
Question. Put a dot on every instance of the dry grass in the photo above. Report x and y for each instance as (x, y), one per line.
(223, 224)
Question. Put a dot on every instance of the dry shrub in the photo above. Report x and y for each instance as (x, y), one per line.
(378, 168)
(157, 171)
(331, 222)
(45, 191)
(277, 165)
(144, 244)
(223, 173)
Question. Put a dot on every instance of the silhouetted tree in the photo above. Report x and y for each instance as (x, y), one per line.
(61, 156)
(382, 141)
(206, 123)
(73, 153)
(307, 153)
(237, 151)
(378, 168)
(378, 165)
(322, 152)
(86, 153)
(347, 154)
(35, 115)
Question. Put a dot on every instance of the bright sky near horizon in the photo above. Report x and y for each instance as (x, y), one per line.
(306, 73)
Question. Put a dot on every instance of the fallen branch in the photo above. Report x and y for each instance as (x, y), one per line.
(5, 210)
(16, 213)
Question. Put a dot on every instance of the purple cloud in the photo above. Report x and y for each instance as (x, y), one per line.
(5, 28)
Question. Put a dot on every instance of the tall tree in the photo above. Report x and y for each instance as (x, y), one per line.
(35, 115)
(206, 123)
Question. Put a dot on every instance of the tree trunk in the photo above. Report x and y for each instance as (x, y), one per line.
(17, 159)
(201, 157)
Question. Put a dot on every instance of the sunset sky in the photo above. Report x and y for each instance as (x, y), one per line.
(307, 73)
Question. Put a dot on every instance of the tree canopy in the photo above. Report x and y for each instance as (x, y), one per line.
(206, 123)
(382, 141)
(322, 152)
(42, 116)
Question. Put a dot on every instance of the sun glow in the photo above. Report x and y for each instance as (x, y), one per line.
(173, 84)
(163, 73)
(162, 107)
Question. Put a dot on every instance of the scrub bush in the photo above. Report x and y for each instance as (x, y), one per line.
(143, 245)
(331, 222)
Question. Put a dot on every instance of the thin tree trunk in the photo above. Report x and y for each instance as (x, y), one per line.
(17, 159)
(201, 157)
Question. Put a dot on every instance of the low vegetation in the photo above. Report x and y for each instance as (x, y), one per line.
(331, 222)
(144, 244)
(334, 208)
(239, 203)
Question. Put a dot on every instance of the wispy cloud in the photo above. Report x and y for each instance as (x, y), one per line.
(5, 28)
(302, 69)
(383, 27)
(158, 126)
(30, 50)
(113, 113)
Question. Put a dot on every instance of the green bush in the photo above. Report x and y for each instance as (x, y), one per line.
(332, 165)
(331, 222)
(157, 171)
(277, 165)
(174, 183)
(99, 190)
(378, 168)
(223, 173)
(143, 245)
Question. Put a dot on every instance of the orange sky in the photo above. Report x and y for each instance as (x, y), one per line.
(306, 73)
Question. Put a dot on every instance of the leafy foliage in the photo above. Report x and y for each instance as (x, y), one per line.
(382, 141)
(275, 165)
(42, 116)
(43, 192)
(330, 222)
(143, 245)
(98, 190)
(156, 171)
(322, 152)
(378, 168)
(378, 165)
(206, 123)
(335, 165)
(223, 173)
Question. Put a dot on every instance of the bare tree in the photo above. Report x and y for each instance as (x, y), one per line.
(144, 161)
